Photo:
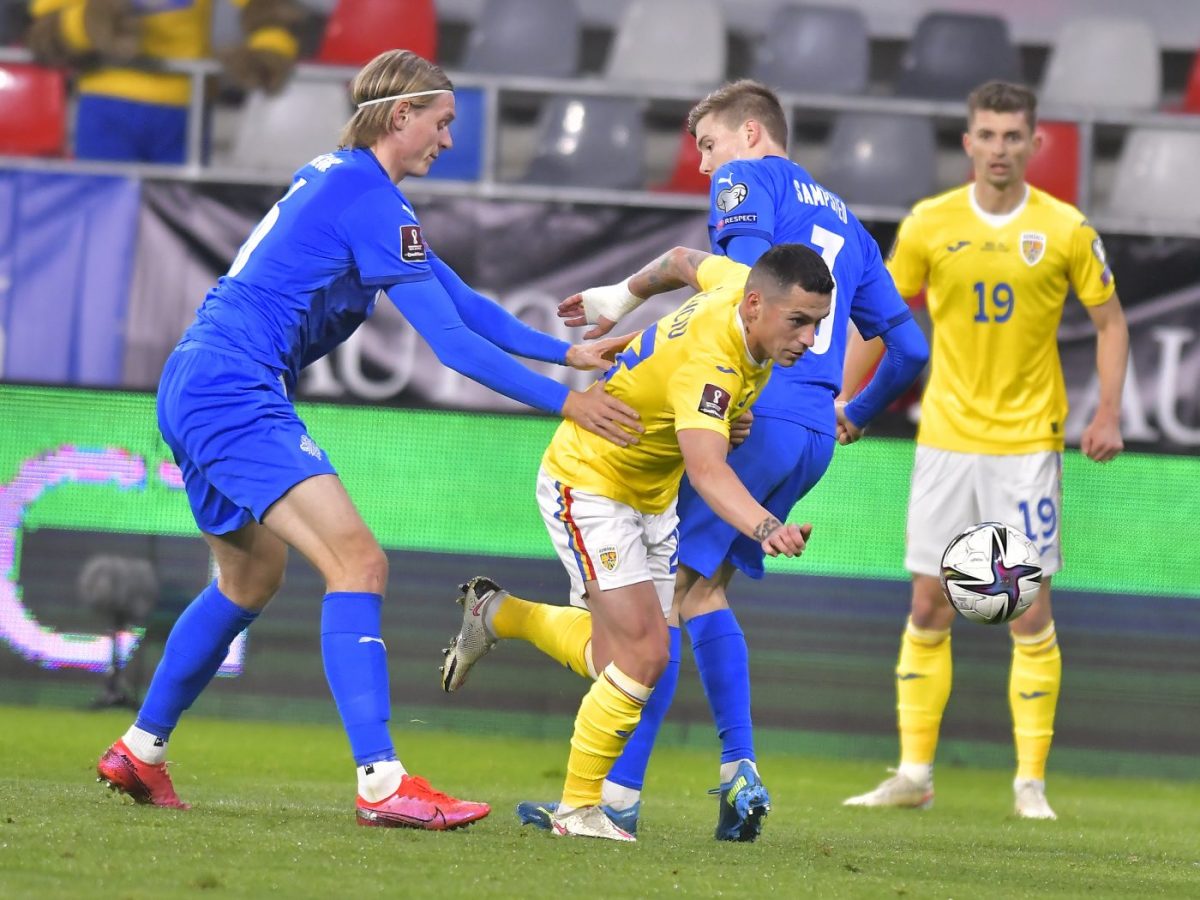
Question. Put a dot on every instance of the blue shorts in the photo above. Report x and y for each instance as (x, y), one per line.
(778, 463)
(235, 436)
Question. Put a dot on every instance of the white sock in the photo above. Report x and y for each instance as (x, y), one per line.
(563, 809)
(147, 747)
(728, 769)
(489, 614)
(618, 796)
(919, 773)
(379, 780)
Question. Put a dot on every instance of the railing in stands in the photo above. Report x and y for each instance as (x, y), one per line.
(490, 187)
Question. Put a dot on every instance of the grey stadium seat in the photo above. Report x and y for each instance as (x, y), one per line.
(817, 49)
(594, 142)
(1112, 62)
(525, 37)
(1153, 179)
(669, 42)
(883, 159)
(952, 53)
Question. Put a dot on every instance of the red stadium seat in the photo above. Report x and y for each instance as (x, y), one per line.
(359, 30)
(33, 110)
(685, 178)
(1055, 168)
(1191, 97)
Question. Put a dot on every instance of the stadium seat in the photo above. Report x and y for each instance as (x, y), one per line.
(1191, 96)
(1102, 61)
(359, 30)
(1055, 167)
(953, 53)
(883, 159)
(819, 49)
(33, 110)
(685, 178)
(283, 132)
(694, 55)
(464, 162)
(1151, 179)
(539, 38)
(593, 142)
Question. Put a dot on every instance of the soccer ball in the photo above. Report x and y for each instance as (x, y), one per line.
(991, 573)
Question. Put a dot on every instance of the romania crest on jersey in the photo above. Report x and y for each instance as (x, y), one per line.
(1033, 247)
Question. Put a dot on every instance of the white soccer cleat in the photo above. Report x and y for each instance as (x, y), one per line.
(899, 791)
(473, 640)
(1029, 796)
(588, 821)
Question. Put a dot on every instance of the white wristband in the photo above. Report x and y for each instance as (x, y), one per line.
(611, 301)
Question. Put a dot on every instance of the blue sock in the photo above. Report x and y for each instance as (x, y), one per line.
(630, 768)
(196, 647)
(356, 668)
(724, 663)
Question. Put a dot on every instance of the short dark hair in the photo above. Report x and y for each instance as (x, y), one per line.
(789, 265)
(739, 101)
(1004, 97)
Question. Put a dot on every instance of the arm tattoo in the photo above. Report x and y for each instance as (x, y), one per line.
(766, 528)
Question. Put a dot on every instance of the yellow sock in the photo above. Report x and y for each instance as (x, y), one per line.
(563, 633)
(607, 716)
(1033, 688)
(923, 675)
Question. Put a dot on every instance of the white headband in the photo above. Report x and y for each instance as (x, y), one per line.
(404, 96)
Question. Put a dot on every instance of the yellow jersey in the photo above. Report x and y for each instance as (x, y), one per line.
(995, 286)
(690, 369)
(170, 29)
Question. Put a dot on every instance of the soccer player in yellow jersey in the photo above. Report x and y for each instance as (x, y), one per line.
(996, 258)
(611, 515)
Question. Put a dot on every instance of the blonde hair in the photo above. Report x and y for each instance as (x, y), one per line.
(391, 72)
(739, 101)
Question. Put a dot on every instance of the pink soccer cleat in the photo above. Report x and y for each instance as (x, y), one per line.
(145, 783)
(417, 805)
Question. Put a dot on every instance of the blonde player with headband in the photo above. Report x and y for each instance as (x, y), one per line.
(258, 483)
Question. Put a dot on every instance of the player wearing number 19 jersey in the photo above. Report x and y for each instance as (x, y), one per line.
(996, 258)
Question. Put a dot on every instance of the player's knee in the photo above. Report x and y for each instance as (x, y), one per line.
(930, 608)
(372, 568)
(655, 663)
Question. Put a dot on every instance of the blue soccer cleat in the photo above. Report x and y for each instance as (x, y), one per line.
(744, 805)
(538, 815)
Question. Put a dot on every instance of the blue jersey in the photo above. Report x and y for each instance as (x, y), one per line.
(777, 201)
(310, 272)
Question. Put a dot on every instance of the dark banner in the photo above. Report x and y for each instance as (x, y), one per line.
(527, 256)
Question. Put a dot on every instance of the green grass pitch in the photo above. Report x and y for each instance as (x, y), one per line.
(273, 815)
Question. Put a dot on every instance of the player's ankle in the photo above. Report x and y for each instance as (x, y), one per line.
(918, 773)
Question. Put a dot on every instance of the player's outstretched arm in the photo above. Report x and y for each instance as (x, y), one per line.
(704, 459)
(604, 306)
(1101, 440)
(432, 313)
(492, 321)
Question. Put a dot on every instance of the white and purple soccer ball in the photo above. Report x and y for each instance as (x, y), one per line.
(991, 573)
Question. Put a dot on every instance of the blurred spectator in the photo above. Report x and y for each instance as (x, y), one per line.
(129, 109)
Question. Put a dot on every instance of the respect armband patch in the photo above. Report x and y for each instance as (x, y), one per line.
(714, 401)
(412, 245)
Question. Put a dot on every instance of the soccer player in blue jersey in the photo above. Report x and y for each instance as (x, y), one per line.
(758, 198)
(258, 483)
